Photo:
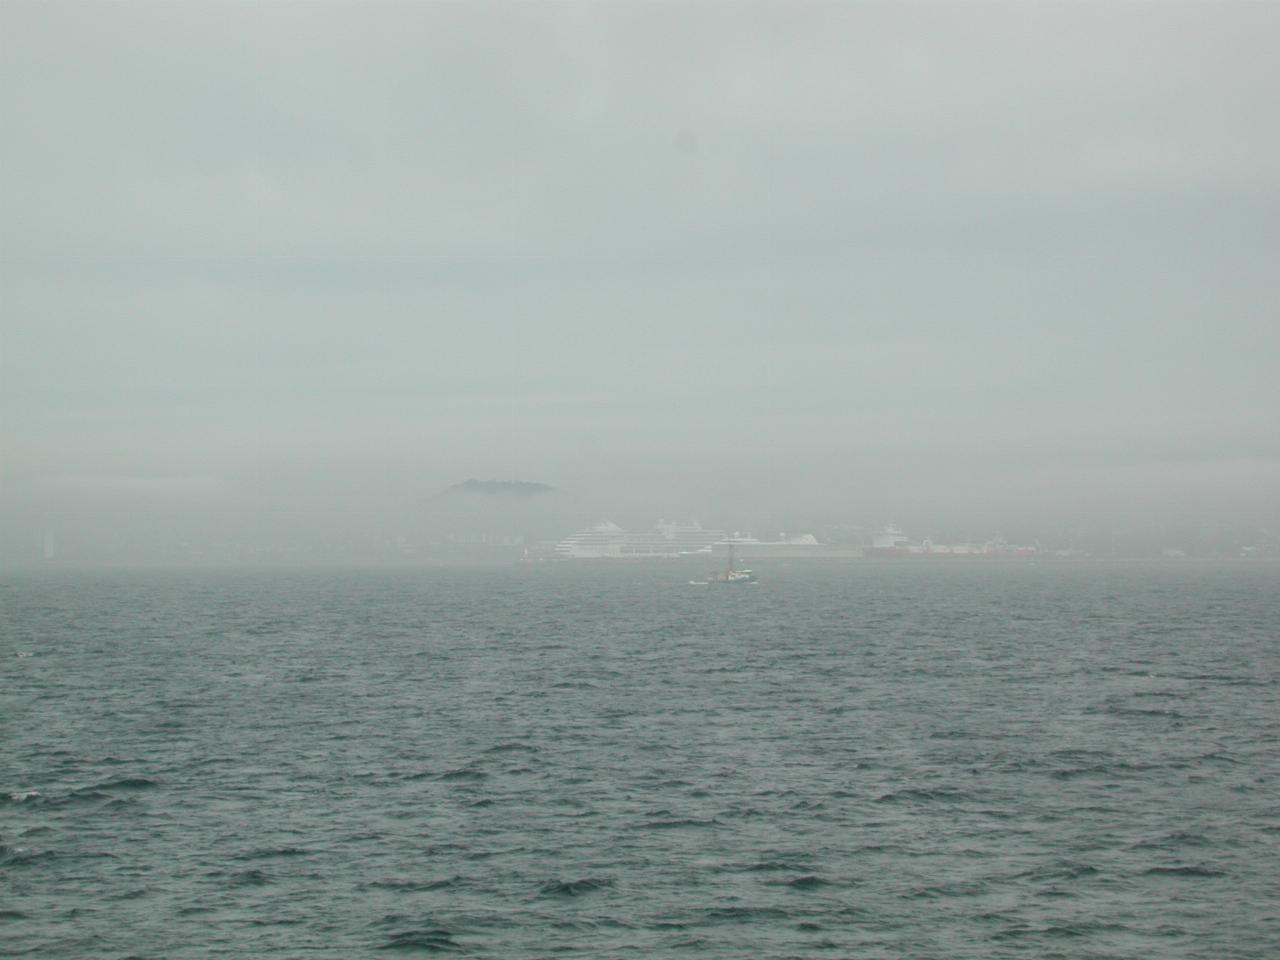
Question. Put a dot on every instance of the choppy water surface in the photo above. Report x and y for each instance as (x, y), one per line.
(861, 759)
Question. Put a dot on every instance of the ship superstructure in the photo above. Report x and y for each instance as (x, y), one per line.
(607, 540)
(801, 547)
(892, 542)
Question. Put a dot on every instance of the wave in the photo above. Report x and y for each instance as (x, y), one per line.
(429, 941)
(944, 890)
(414, 886)
(136, 893)
(917, 794)
(1057, 931)
(249, 878)
(1077, 754)
(763, 866)
(426, 939)
(110, 793)
(676, 824)
(574, 888)
(512, 746)
(1144, 712)
(1183, 871)
(1226, 679)
(129, 783)
(263, 853)
(1058, 870)
(1178, 839)
(22, 857)
(746, 913)
(809, 881)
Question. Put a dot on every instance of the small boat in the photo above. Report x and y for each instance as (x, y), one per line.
(730, 575)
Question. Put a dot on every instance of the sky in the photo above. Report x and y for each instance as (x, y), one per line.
(959, 263)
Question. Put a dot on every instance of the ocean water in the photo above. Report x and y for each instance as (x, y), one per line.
(846, 760)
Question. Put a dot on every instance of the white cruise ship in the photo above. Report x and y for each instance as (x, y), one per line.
(892, 542)
(802, 547)
(607, 540)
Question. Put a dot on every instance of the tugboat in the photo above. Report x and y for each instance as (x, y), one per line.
(731, 575)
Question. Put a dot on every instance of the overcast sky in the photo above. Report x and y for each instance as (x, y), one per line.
(860, 256)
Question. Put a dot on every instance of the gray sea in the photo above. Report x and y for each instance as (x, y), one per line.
(845, 760)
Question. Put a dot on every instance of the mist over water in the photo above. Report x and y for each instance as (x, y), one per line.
(273, 276)
(844, 759)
